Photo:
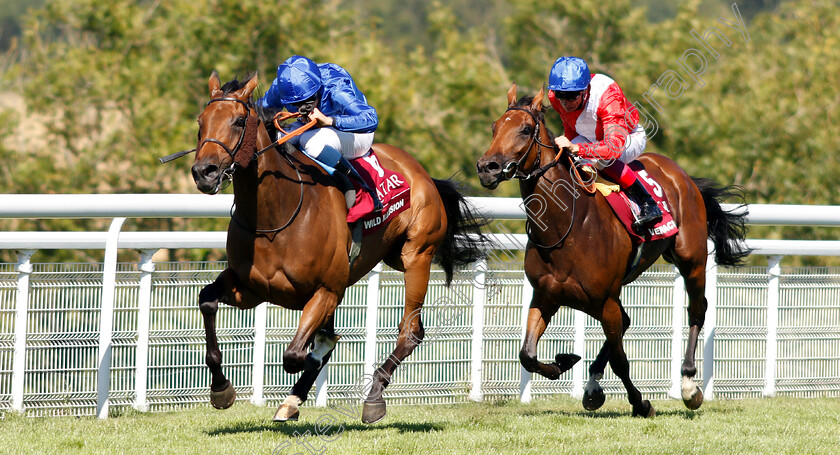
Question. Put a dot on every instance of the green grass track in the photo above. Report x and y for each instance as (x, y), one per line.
(558, 425)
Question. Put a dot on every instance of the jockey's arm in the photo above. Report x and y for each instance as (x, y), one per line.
(354, 115)
(612, 121)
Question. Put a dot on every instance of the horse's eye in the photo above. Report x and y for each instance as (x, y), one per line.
(527, 130)
(240, 122)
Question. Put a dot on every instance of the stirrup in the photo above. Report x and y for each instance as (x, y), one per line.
(651, 218)
(377, 204)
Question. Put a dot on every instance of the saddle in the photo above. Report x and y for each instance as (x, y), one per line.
(391, 187)
(626, 210)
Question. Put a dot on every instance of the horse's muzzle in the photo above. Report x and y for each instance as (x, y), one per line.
(207, 177)
(490, 174)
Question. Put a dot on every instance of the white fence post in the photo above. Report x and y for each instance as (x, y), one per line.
(774, 270)
(709, 328)
(578, 371)
(24, 269)
(321, 383)
(477, 345)
(106, 319)
(525, 375)
(371, 313)
(258, 374)
(677, 336)
(144, 307)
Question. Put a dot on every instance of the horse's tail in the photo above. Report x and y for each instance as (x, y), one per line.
(463, 243)
(727, 228)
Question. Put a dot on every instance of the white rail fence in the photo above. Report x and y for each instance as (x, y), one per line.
(77, 339)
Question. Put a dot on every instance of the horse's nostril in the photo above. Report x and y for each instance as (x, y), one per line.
(493, 166)
(202, 171)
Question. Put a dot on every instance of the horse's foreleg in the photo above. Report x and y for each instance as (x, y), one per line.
(320, 308)
(613, 322)
(593, 394)
(222, 393)
(289, 408)
(411, 334)
(539, 315)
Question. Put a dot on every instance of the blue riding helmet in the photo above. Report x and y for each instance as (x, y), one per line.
(298, 78)
(569, 74)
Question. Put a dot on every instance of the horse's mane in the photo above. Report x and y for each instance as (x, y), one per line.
(236, 84)
(525, 102)
(266, 115)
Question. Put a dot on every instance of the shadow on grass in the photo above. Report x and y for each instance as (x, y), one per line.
(290, 428)
(683, 413)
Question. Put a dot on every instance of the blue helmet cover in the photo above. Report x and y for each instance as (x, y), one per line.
(569, 74)
(298, 78)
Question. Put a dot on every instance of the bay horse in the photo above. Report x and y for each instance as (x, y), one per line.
(288, 241)
(582, 255)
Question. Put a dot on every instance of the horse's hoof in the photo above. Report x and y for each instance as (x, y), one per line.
(373, 411)
(289, 409)
(566, 361)
(311, 363)
(695, 401)
(286, 413)
(644, 410)
(224, 398)
(592, 400)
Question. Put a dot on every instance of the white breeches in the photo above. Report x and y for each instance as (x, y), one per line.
(351, 145)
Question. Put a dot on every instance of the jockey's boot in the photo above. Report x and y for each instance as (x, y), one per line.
(344, 168)
(649, 212)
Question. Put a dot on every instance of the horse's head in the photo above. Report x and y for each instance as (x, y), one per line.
(227, 133)
(515, 147)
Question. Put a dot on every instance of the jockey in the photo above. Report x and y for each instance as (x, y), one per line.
(326, 93)
(599, 125)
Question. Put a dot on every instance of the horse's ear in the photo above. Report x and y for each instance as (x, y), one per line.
(512, 95)
(536, 104)
(250, 86)
(214, 84)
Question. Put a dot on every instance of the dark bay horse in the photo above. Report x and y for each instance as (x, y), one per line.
(288, 241)
(580, 257)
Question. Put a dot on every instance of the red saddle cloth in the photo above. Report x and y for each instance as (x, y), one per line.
(625, 209)
(391, 187)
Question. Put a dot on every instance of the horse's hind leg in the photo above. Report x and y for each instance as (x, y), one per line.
(411, 334)
(694, 275)
(539, 315)
(612, 320)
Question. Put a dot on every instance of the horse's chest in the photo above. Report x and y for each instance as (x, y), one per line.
(569, 283)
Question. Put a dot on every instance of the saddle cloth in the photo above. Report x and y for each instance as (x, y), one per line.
(626, 209)
(391, 187)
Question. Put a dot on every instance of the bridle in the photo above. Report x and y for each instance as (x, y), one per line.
(227, 173)
(513, 170)
(250, 130)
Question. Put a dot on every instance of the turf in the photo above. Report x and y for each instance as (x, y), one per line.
(557, 425)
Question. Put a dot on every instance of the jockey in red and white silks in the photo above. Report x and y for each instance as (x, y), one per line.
(600, 124)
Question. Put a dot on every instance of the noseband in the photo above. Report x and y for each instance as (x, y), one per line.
(250, 131)
(512, 170)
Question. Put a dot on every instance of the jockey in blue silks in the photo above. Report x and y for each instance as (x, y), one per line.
(326, 93)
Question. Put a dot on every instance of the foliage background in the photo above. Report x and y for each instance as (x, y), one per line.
(94, 91)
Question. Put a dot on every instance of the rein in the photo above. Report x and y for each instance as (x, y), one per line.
(512, 170)
(249, 136)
